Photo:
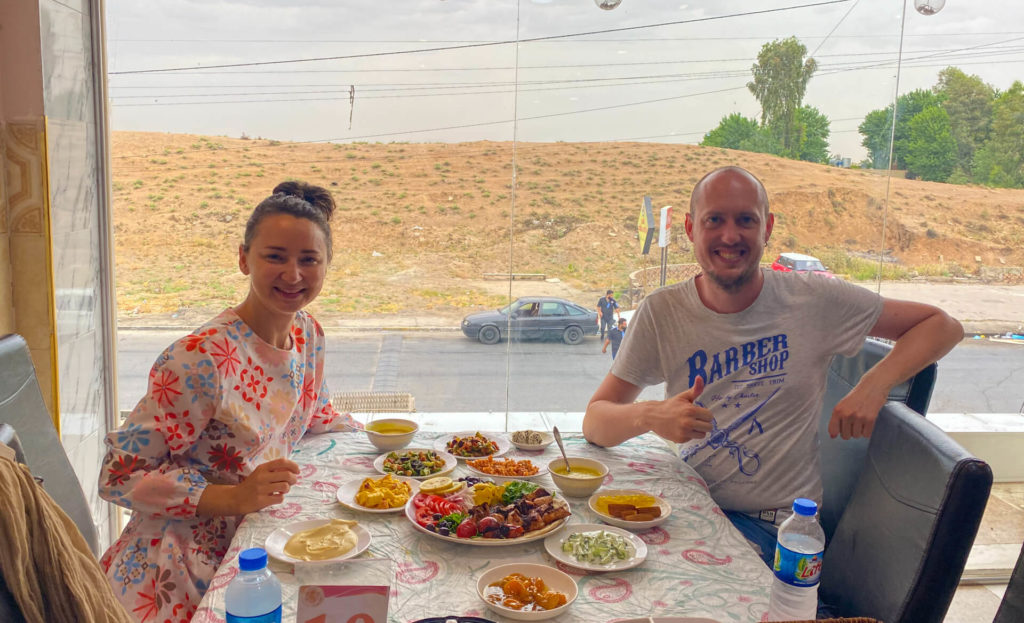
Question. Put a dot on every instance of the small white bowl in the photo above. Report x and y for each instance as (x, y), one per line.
(577, 486)
(388, 441)
(546, 440)
(554, 579)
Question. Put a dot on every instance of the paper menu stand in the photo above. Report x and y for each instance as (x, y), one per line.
(355, 591)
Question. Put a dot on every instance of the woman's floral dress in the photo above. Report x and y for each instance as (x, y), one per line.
(221, 401)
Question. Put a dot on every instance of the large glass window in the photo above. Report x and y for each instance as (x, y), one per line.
(492, 158)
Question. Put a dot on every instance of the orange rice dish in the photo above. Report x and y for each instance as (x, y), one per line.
(504, 467)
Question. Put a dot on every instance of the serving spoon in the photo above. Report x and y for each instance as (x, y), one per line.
(558, 440)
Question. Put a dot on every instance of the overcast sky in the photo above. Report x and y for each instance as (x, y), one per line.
(668, 72)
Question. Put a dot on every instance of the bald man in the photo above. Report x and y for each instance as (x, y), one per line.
(744, 353)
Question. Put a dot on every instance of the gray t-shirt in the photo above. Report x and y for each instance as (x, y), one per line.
(764, 371)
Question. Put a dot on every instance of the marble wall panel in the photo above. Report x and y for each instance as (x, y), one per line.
(65, 41)
(72, 176)
(76, 223)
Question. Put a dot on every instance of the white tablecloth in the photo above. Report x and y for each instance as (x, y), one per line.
(697, 565)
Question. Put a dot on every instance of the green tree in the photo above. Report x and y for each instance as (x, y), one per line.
(780, 80)
(930, 148)
(877, 131)
(968, 101)
(814, 131)
(738, 132)
(731, 131)
(877, 127)
(1000, 161)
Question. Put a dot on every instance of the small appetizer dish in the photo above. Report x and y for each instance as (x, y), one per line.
(596, 547)
(318, 541)
(631, 509)
(504, 469)
(527, 592)
(473, 445)
(486, 513)
(418, 463)
(391, 433)
(585, 476)
(387, 494)
(531, 439)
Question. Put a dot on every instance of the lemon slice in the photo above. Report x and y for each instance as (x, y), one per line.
(436, 485)
(454, 487)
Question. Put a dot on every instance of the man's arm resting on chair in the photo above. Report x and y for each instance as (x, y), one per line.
(923, 334)
(612, 417)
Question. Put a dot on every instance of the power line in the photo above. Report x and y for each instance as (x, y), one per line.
(489, 43)
(364, 86)
(588, 40)
(602, 108)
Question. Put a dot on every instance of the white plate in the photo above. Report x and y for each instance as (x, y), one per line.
(546, 440)
(277, 539)
(666, 509)
(347, 495)
(541, 471)
(449, 462)
(529, 537)
(503, 444)
(555, 579)
(553, 544)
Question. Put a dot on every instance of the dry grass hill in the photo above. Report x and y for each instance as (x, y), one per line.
(419, 225)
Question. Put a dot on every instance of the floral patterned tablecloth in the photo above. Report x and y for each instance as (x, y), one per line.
(697, 563)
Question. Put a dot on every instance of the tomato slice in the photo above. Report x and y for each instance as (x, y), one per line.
(424, 516)
(419, 500)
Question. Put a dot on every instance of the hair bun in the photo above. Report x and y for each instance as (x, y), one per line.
(316, 196)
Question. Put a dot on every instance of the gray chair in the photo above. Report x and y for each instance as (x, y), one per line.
(901, 543)
(23, 410)
(1011, 609)
(842, 460)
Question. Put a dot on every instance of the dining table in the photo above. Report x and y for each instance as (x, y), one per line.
(697, 564)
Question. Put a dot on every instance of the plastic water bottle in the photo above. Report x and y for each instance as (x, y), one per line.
(798, 554)
(254, 595)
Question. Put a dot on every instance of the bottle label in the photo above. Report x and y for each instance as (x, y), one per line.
(274, 616)
(797, 569)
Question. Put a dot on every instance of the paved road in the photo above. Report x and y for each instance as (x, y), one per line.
(448, 373)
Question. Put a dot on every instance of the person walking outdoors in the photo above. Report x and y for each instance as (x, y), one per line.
(607, 311)
(615, 338)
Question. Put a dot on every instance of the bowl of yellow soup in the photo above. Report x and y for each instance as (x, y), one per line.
(389, 434)
(585, 478)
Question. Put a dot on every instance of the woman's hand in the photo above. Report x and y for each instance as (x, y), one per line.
(265, 486)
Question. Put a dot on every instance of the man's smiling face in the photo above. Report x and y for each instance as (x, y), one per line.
(729, 227)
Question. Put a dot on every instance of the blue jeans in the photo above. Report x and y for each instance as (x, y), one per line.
(762, 535)
(606, 325)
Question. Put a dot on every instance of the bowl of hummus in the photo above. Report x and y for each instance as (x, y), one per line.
(318, 541)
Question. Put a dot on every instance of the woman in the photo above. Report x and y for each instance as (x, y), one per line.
(225, 406)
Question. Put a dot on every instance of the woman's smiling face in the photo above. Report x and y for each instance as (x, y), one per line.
(286, 263)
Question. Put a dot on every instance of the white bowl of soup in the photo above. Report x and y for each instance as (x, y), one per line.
(387, 434)
(584, 478)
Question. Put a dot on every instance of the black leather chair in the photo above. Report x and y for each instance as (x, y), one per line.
(842, 460)
(23, 410)
(902, 540)
(1011, 610)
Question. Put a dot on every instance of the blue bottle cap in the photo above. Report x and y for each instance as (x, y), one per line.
(805, 507)
(252, 559)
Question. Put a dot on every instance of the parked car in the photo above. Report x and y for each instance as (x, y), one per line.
(800, 263)
(534, 317)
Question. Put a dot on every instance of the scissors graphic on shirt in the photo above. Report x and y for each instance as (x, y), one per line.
(747, 461)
